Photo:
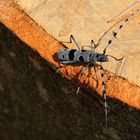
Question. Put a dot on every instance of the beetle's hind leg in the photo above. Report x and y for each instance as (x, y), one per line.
(80, 75)
(94, 67)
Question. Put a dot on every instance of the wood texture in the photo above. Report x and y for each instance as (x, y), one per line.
(87, 20)
(12, 16)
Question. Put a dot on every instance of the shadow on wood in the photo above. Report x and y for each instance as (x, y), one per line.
(36, 103)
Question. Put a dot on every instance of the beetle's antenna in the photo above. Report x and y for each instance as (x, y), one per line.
(124, 11)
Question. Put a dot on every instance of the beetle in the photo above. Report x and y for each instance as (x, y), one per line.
(70, 56)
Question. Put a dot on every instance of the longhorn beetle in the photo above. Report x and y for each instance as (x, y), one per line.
(69, 56)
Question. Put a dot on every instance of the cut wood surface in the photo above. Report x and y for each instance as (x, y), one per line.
(87, 20)
(28, 31)
(37, 104)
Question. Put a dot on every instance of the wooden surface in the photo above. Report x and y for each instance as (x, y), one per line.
(37, 104)
(28, 31)
(86, 20)
(34, 104)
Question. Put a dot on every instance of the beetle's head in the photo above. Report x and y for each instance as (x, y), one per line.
(102, 58)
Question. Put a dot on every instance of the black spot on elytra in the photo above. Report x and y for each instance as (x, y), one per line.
(81, 59)
(71, 54)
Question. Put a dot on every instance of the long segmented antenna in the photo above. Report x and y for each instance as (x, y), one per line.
(104, 92)
(124, 11)
(93, 44)
(100, 39)
(115, 33)
(104, 89)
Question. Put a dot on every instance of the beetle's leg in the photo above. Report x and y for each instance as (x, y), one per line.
(95, 75)
(72, 39)
(80, 75)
